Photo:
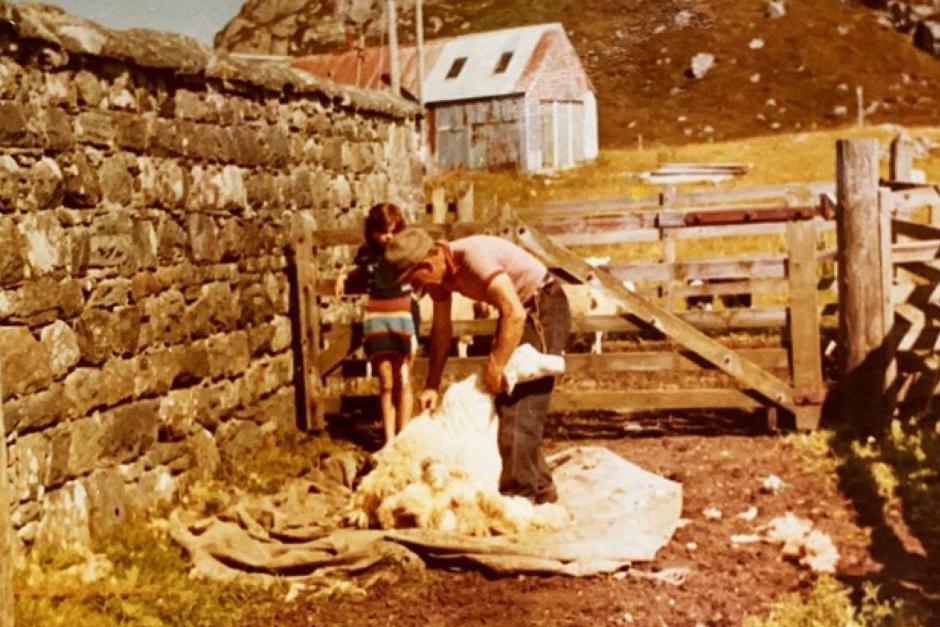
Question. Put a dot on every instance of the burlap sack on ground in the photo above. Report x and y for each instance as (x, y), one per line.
(620, 514)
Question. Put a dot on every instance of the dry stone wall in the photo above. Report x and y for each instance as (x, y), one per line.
(147, 187)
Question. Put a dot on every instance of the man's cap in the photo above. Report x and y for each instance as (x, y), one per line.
(407, 249)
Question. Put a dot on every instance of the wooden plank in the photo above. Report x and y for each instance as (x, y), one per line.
(637, 361)
(465, 211)
(306, 327)
(905, 200)
(618, 401)
(723, 321)
(810, 191)
(901, 160)
(438, 206)
(633, 401)
(915, 230)
(6, 526)
(909, 252)
(663, 321)
(886, 235)
(806, 361)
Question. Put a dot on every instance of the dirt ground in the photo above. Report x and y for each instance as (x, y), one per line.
(720, 468)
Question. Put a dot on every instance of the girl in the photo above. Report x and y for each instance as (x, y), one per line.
(390, 321)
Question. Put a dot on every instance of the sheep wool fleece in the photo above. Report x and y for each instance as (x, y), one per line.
(522, 413)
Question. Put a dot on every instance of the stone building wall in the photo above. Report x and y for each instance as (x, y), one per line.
(147, 186)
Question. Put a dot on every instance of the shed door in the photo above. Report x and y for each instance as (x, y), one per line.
(453, 147)
(547, 119)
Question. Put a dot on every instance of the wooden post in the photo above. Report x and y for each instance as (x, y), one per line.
(306, 328)
(885, 237)
(6, 527)
(419, 40)
(438, 206)
(902, 157)
(393, 47)
(465, 204)
(861, 324)
(803, 319)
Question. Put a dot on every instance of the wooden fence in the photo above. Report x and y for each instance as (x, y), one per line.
(686, 340)
(889, 237)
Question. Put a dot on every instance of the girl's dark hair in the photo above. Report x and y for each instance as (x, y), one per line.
(383, 217)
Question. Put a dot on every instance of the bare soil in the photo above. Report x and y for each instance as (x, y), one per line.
(719, 465)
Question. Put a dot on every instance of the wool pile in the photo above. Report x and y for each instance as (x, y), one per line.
(442, 471)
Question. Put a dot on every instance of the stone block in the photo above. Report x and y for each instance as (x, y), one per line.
(111, 251)
(249, 146)
(44, 299)
(260, 338)
(203, 238)
(204, 454)
(90, 91)
(228, 354)
(12, 253)
(107, 502)
(13, 130)
(65, 520)
(62, 344)
(126, 330)
(255, 304)
(166, 319)
(172, 241)
(129, 430)
(172, 455)
(31, 456)
(110, 293)
(277, 146)
(239, 440)
(60, 441)
(133, 131)
(193, 363)
(38, 410)
(82, 188)
(117, 184)
(156, 372)
(171, 185)
(46, 241)
(57, 129)
(46, 187)
(216, 310)
(93, 330)
(85, 445)
(26, 364)
(166, 140)
(95, 128)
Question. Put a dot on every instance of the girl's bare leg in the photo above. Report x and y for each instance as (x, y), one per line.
(404, 395)
(386, 372)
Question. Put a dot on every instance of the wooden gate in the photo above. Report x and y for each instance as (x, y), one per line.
(787, 377)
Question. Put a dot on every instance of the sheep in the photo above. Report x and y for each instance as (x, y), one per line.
(442, 470)
(592, 297)
(462, 308)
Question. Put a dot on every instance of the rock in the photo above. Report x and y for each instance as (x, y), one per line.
(756, 44)
(25, 364)
(65, 520)
(701, 64)
(239, 440)
(12, 253)
(775, 9)
(62, 344)
(107, 502)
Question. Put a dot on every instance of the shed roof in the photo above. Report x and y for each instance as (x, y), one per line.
(496, 63)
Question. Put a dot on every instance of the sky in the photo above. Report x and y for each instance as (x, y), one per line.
(201, 19)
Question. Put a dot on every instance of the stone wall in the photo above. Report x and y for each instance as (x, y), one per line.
(147, 186)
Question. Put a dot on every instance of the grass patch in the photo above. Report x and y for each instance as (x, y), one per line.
(776, 160)
(145, 582)
(829, 602)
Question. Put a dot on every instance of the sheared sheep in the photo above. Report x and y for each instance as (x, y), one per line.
(442, 470)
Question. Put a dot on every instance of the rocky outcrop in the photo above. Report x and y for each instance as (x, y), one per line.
(147, 187)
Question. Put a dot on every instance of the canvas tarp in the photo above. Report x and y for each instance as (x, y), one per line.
(620, 514)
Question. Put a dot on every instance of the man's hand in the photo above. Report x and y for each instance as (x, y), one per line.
(493, 381)
(428, 399)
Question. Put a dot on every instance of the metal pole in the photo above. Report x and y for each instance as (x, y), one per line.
(393, 48)
(6, 530)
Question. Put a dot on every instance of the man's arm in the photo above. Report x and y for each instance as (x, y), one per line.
(441, 334)
(502, 294)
